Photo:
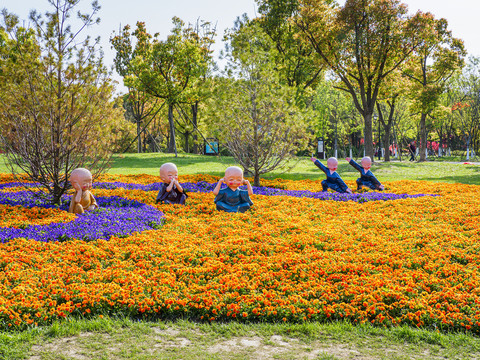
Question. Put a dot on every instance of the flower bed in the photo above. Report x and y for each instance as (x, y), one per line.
(115, 216)
(409, 261)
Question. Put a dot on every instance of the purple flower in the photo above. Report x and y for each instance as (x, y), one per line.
(116, 216)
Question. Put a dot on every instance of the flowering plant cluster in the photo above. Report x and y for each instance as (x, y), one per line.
(203, 186)
(410, 261)
(116, 216)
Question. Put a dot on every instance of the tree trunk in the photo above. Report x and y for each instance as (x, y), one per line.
(187, 138)
(256, 179)
(139, 144)
(468, 147)
(194, 121)
(368, 136)
(172, 146)
(386, 142)
(440, 145)
(423, 138)
(395, 138)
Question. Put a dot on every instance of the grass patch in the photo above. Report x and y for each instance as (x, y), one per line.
(123, 338)
(303, 168)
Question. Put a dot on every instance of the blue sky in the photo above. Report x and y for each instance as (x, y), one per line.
(462, 15)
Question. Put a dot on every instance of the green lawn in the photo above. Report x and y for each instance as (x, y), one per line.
(302, 168)
(125, 339)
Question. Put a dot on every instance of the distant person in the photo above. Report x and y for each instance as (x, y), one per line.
(412, 148)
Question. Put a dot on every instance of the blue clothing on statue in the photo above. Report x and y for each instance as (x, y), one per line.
(333, 181)
(366, 177)
(233, 201)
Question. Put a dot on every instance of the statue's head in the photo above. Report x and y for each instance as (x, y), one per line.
(233, 177)
(82, 177)
(332, 163)
(168, 172)
(366, 162)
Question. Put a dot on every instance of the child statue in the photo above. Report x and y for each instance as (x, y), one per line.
(366, 176)
(333, 180)
(171, 192)
(233, 199)
(82, 199)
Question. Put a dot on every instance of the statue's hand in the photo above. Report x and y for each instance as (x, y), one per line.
(76, 186)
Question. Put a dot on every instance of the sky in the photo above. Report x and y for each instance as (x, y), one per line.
(461, 15)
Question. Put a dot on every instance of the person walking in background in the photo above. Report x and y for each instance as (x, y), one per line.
(412, 148)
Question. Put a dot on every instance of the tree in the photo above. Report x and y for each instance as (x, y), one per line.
(55, 104)
(168, 69)
(389, 97)
(260, 124)
(466, 106)
(335, 119)
(361, 43)
(295, 60)
(436, 60)
(138, 103)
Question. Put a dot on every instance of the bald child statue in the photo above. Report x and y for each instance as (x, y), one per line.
(233, 199)
(171, 192)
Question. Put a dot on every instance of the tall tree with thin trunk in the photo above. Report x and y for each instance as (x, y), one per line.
(297, 64)
(138, 103)
(258, 120)
(361, 43)
(168, 69)
(466, 103)
(390, 95)
(436, 60)
(55, 97)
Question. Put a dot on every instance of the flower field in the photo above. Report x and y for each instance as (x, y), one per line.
(298, 255)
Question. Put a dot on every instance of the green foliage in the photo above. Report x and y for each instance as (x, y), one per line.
(334, 111)
(172, 70)
(295, 60)
(167, 69)
(257, 116)
(56, 109)
(361, 43)
(465, 102)
(435, 60)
